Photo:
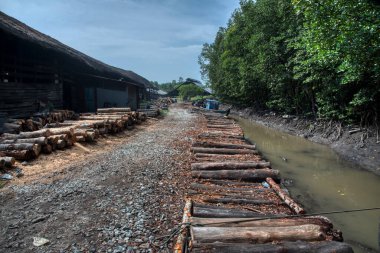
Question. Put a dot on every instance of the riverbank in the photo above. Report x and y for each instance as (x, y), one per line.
(359, 146)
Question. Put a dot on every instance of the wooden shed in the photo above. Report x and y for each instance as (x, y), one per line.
(38, 72)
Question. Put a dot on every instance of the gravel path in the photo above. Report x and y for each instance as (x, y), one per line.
(123, 200)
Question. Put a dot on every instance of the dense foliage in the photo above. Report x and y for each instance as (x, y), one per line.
(317, 58)
(187, 91)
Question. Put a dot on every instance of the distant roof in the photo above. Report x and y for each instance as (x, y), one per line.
(161, 92)
(21, 30)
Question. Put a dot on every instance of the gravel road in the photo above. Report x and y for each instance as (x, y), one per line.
(123, 200)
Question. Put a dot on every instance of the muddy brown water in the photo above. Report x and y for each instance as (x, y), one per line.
(321, 181)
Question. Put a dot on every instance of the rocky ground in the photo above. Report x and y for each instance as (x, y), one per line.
(127, 197)
(360, 146)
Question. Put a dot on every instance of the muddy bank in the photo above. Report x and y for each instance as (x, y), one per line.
(359, 146)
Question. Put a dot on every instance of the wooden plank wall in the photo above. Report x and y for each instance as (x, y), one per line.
(23, 99)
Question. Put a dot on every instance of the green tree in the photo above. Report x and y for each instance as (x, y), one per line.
(187, 91)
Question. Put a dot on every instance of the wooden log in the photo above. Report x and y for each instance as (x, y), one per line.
(82, 147)
(222, 145)
(27, 135)
(230, 183)
(237, 200)
(180, 242)
(285, 197)
(278, 247)
(256, 175)
(12, 128)
(53, 139)
(21, 155)
(61, 144)
(220, 135)
(38, 140)
(321, 221)
(308, 232)
(47, 149)
(207, 211)
(7, 161)
(62, 130)
(228, 151)
(222, 189)
(21, 146)
(64, 137)
(90, 136)
(114, 109)
(80, 138)
(229, 165)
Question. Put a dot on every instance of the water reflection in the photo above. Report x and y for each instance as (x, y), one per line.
(322, 182)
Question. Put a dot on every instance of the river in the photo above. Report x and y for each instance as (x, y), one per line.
(321, 181)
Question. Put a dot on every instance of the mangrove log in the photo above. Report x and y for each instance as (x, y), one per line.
(285, 197)
(27, 135)
(206, 211)
(227, 151)
(308, 232)
(278, 247)
(7, 161)
(210, 144)
(323, 222)
(229, 165)
(38, 140)
(256, 175)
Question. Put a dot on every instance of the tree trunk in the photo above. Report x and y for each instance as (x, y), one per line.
(323, 222)
(279, 247)
(308, 232)
(221, 135)
(229, 165)
(110, 110)
(27, 135)
(222, 145)
(227, 151)
(61, 144)
(239, 200)
(47, 149)
(257, 175)
(207, 211)
(285, 197)
(7, 161)
(216, 189)
(38, 140)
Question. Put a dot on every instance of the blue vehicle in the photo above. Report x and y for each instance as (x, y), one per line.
(212, 104)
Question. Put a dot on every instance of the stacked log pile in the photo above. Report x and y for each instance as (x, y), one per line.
(37, 121)
(236, 203)
(58, 133)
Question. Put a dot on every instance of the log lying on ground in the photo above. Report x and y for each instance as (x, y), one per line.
(227, 151)
(222, 157)
(61, 144)
(220, 189)
(114, 109)
(239, 200)
(47, 149)
(21, 151)
(257, 175)
(38, 140)
(229, 165)
(207, 211)
(220, 135)
(309, 232)
(69, 131)
(27, 135)
(285, 197)
(280, 247)
(210, 144)
(7, 161)
(323, 222)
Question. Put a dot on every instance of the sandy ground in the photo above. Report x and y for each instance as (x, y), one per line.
(126, 196)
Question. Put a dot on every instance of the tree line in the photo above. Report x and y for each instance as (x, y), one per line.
(315, 58)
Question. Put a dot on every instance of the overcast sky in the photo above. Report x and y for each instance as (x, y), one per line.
(158, 39)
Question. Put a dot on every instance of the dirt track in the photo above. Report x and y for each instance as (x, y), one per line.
(121, 198)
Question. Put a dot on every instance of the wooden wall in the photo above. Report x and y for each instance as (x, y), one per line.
(24, 99)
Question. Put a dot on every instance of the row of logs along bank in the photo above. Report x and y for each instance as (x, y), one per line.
(45, 133)
(236, 204)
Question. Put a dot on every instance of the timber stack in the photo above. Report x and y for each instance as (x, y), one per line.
(237, 204)
(61, 131)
